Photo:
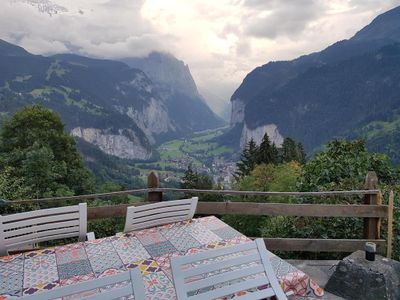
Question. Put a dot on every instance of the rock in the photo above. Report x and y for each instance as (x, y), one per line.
(357, 278)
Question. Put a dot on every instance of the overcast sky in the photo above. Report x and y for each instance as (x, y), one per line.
(221, 40)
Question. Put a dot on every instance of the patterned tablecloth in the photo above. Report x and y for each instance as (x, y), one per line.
(149, 249)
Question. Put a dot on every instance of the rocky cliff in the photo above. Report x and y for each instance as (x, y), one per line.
(175, 85)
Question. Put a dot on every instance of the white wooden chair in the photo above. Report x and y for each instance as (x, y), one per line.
(218, 273)
(151, 215)
(125, 284)
(27, 228)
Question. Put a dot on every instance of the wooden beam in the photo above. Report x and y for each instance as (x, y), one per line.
(284, 209)
(153, 182)
(321, 245)
(371, 225)
(258, 209)
(216, 192)
(390, 225)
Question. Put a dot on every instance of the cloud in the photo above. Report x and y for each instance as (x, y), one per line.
(273, 18)
(221, 41)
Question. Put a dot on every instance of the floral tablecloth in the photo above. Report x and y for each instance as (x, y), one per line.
(149, 249)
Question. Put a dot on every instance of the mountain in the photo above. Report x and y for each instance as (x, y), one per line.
(175, 85)
(333, 93)
(105, 103)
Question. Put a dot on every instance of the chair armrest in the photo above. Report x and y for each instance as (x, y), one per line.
(90, 236)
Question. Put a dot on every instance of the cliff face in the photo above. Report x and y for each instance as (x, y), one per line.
(324, 95)
(106, 103)
(175, 85)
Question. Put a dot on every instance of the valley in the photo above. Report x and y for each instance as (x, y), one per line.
(200, 151)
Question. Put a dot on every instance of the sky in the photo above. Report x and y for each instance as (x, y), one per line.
(220, 40)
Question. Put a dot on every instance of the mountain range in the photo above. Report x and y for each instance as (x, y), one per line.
(122, 110)
(349, 90)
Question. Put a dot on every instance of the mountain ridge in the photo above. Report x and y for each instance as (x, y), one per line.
(116, 108)
(278, 93)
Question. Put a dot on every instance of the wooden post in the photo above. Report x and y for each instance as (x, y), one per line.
(371, 225)
(390, 225)
(154, 182)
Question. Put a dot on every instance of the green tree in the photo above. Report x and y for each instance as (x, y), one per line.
(194, 180)
(289, 150)
(343, 165)
(248, 159)
(267, 152)
(36, 153)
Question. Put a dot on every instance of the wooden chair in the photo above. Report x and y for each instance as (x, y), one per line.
(235, 269)
(27, 228)
(134, 286)
(151, 215)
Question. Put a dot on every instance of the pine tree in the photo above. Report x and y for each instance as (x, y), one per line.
(265, 151)
(289, 150)
(248, 159)
(301, 154)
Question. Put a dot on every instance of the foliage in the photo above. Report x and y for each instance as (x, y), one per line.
(292, 152)
(248, 159)
(194, 180)
(273, 178)
(38, 159)
(268, 153)
(344, 165)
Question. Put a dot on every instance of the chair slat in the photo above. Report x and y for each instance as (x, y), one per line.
(223, 277)
(34, 239)
(230, 289)
(156, 214)
(261, 294)
(42, 220)
(229, 280)
(112, 293)
(42, 225)
(214, 266)
(215, 253)
(39, 228)
(41, 213)
(165, 204)
(164, 209)
(134, 285)
(163, 215)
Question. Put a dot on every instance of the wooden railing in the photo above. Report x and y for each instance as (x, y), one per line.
(372, 211)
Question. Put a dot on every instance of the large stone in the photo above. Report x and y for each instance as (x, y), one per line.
(357, 278)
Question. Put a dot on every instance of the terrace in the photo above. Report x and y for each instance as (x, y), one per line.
(372, 211)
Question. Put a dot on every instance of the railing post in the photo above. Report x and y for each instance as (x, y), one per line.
(153, 182)
(372, 226)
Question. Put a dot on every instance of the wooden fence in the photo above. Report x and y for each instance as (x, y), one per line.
(372, 211)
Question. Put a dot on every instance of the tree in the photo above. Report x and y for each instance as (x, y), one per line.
(292, 151)
(248, 159)
(35, 151)
(267, 153)
(194, 180)
(343, 165)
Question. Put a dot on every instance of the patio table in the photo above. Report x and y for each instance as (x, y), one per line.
(149, 249)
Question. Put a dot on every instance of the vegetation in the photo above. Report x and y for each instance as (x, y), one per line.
(38, 159)
(268, 153)
(343, 165)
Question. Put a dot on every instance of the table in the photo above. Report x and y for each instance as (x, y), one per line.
(149, 249)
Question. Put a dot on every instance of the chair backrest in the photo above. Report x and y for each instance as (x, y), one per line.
(42, 225)
(150, 215)
(218, 273)
(116, 286)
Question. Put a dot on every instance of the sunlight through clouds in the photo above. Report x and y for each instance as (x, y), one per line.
(221, 41)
